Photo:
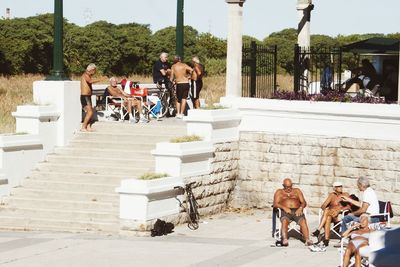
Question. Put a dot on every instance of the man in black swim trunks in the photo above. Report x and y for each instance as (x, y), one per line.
(292, 203)
(180, 73)
(86, 94)
(197, 81)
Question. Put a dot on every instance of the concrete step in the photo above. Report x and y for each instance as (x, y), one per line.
(117, 160)
(125, 137)
(77, 177)
(68, 186)
(173, 126)
(89, 206)
(127, 154)
(60, 214)
(127, 146)
(33, 224)
(93, 169)
(45, 193)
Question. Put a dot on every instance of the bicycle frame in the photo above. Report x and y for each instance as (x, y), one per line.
(191, 206)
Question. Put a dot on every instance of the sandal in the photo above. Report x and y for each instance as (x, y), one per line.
(285, 243)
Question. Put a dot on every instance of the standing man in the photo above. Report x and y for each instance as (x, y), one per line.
(292, 203)
(197, 81)
(369, 204)
(86, 94)
(180, 73)
(162, 70)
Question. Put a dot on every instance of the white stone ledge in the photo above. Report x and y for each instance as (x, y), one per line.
(42, 113)
(19, 142)
(356, 120)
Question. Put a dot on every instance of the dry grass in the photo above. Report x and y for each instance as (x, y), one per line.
(17, 90)
(14, 91)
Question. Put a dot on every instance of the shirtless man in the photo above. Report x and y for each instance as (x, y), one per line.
(332, 207)
(180, 72)
(197, 81)
(86, 94)
(113, 90)
(292, 203)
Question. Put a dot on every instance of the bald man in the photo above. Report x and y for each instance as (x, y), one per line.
(292, 203)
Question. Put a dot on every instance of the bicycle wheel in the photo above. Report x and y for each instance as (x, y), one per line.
(164, 98)
(194, 215)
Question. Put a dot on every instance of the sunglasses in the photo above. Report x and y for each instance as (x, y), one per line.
(284, 186)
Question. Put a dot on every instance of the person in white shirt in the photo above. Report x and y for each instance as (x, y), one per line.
(369, 204)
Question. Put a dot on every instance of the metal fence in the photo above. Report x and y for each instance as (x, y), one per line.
(258, 70)
(317, 69)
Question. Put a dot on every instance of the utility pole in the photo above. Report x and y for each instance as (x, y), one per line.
(179, 29)
(57, 72)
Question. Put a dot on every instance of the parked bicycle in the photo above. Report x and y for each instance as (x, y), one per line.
(191, 206)
(168, 99)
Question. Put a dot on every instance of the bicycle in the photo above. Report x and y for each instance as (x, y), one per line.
(192, 206)
(167, 100)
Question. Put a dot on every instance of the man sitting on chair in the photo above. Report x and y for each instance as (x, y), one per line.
(332, 207)
(292, 203)
(113, 90)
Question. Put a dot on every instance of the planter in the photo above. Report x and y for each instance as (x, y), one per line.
(183, 159)
(144, 200)
(218, 125)
(19, 153)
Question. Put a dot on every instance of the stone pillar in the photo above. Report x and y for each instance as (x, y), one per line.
(234, 52)
(398, 81)
(304, 8)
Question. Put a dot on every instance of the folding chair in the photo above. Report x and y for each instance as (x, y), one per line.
(116, 106)
(149, 103)
(364, 252)
(384, 215)
(277, 225)
(335, 226)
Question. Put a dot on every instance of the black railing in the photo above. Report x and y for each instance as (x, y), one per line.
(317, 70)
(258, 70)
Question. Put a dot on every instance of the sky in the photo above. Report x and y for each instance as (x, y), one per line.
(260, 17)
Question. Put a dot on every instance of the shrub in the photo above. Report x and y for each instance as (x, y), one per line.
(186, 138)
(332, 96)
(152, 176)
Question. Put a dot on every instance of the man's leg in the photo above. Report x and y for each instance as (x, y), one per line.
(284, 231)
(89, 113)
(183, 105)
(346, 219)
(304, 229)
(328, 227)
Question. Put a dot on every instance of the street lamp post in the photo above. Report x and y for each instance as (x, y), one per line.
(57, 72)
(179, 28)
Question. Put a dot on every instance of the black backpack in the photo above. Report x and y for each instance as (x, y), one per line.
(161, 228)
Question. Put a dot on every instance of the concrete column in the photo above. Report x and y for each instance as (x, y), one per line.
(304, 8)
(398, 81)
(234, 52)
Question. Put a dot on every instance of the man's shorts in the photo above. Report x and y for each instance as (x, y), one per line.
(182, 91)
(196, 88)
(86, 100)
(292, 216)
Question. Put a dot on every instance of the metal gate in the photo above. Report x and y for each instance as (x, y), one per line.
(258, 70)
(317, 69)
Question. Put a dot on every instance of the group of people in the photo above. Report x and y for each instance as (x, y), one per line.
(188, 80)
(291, 201)
(181, 79)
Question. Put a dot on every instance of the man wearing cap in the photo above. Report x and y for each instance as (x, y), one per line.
(332, 207)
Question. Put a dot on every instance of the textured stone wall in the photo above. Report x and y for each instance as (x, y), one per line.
(213, 191)
(314, 163)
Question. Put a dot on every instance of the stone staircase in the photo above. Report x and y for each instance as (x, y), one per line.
(73, 189)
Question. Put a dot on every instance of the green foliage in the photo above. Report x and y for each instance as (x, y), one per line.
(186, 138)
(152, 176)
(26, 47)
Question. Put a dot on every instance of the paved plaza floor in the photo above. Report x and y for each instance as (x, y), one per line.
(228, 239)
